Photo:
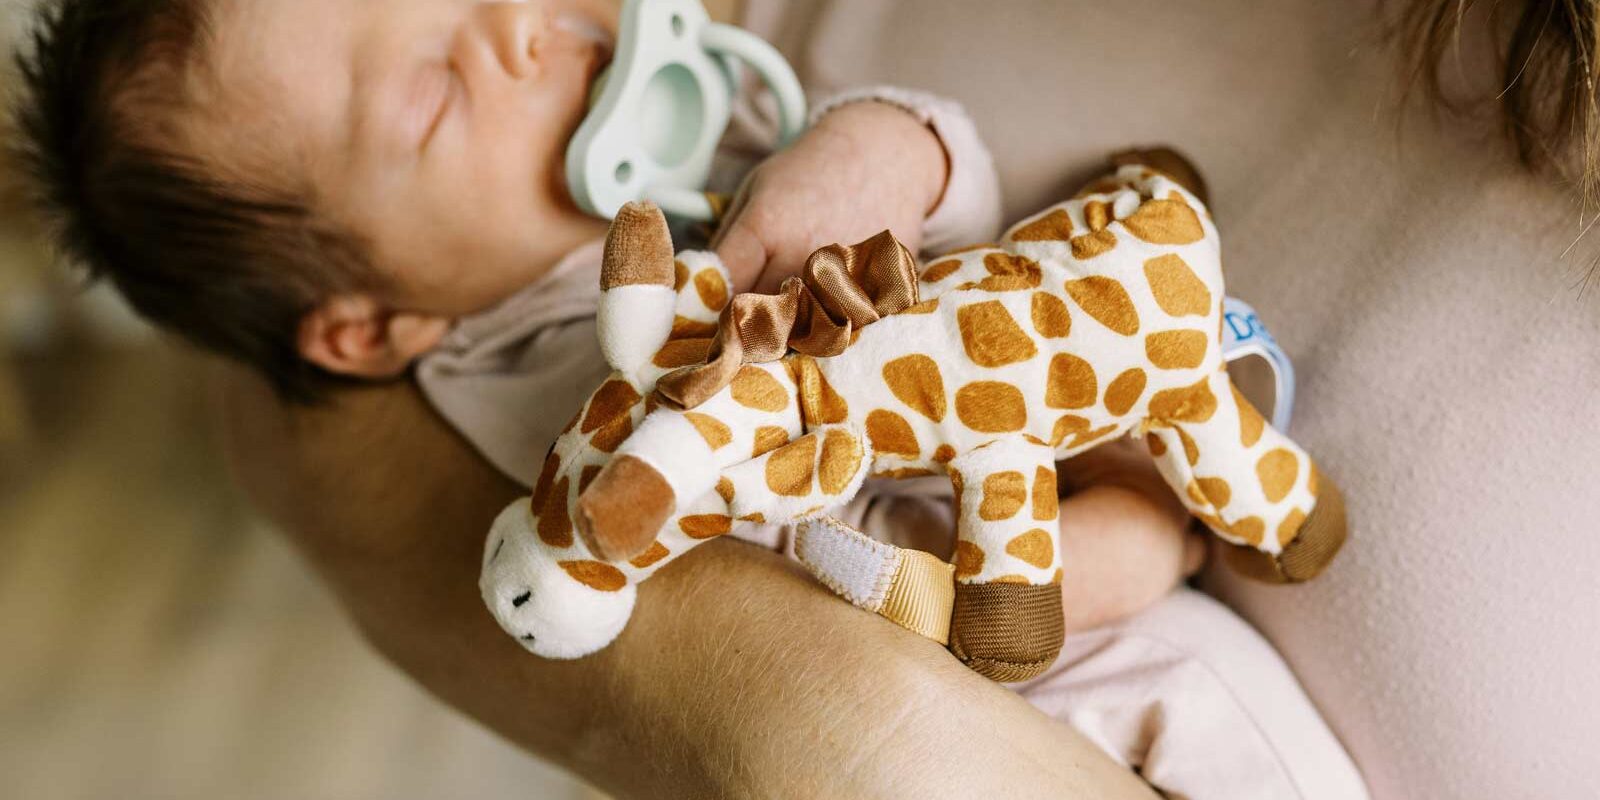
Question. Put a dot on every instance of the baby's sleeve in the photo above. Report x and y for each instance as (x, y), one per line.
(969, 211)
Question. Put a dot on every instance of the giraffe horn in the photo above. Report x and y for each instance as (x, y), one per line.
(638, 249)
(636, 288)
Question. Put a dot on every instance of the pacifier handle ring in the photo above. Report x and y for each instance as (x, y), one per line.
(681, 203)
(770, 65)
(601, 157)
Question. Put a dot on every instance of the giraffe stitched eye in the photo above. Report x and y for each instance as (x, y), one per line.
(521, 599)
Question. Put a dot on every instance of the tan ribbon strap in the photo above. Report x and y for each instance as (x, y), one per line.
(921, 595)
(841, 290)
(720, 202)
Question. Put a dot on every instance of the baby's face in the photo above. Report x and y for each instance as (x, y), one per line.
(435, 129)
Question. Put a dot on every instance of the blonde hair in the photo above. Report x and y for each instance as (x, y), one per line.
(1546, 51)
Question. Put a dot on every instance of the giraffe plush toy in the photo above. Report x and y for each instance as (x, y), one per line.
(1098, 317)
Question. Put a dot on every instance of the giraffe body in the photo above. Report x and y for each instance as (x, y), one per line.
(1097, 317)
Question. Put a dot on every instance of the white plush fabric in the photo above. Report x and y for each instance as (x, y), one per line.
(510, 378)
(564, 618)
(676, 450)
(638, 319)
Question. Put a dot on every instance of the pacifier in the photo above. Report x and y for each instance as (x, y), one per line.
(1257, 365)
(659, 110)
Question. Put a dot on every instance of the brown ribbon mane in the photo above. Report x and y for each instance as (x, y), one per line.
(841, 290)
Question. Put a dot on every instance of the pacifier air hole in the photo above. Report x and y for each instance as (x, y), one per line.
(677, 25)
(624, 172)
(672, 113)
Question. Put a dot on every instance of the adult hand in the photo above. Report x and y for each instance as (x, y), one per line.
(862, 168)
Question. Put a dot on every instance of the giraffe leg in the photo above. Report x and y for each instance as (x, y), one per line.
(1247, 481)
(1007, 623)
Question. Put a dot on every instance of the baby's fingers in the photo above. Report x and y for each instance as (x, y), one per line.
(742, 252)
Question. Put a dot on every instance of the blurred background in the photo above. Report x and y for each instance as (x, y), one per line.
(157, 638)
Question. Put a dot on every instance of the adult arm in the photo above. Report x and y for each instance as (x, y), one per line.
(737, 677)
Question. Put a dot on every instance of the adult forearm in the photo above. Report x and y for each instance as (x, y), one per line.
(749, 681)
(737, 676)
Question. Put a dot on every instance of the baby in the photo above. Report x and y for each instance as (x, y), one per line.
(335, 191)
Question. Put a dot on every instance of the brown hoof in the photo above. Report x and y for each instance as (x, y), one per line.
(1308, 553)
(620, 513)
(1168, 162)
(1007, 632)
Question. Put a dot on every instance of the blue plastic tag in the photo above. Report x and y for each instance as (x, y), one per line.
(1244, 336)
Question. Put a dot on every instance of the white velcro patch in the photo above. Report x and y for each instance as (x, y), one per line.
(854, 566)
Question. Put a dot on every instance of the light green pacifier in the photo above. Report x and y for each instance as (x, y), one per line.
(658, 112)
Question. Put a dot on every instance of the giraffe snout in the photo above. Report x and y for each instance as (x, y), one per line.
(537, 593)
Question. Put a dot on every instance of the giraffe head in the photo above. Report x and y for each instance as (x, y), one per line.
(555, 602)
(541, 581)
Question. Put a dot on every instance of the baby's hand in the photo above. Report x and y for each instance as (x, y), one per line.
(1126, 541)
(862, 168)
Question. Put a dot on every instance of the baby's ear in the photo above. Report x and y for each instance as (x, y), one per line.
(356, 335)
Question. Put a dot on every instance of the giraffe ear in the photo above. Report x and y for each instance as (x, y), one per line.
(636, 288)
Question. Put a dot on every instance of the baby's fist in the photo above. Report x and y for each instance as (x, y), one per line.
(862, 168)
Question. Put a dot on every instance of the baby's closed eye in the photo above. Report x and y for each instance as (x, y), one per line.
(433, 98)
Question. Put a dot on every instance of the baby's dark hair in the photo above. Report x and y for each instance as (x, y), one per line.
(229, 265)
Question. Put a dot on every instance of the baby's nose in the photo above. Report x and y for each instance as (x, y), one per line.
(515, 30)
